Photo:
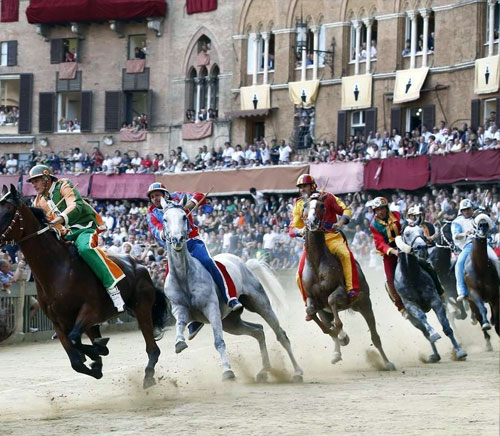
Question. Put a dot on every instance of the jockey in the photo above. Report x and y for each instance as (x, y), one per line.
(414, 218)
(335, 241)
(462, 230)
(385, 226)
(195, 245)
(78, 222)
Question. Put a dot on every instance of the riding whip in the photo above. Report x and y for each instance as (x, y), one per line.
(202, 198)
(61, 200)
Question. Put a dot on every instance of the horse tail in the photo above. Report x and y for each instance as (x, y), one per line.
(161, 310)
(269, 282)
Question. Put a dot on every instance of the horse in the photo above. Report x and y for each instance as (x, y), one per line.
(71, 295)
(482, 276)
(440, 259)
(194, 295)
(418, 291)
(323, 281)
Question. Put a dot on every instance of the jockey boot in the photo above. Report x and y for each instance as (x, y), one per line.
(461, 297)
(116, 297)
(193, 328)
(234, 304)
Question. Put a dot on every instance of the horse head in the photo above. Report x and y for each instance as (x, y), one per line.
(414, 242)
(314, 210)
(11, 221)
(482, 226)
(175, 225)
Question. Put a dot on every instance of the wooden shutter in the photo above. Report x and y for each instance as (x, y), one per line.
(25, 102)
(498, 112)
(113, 115)
(47, 105)
(370, 121)
(397, 119)
(341, 127)
(11, 53)
(56, 51)
(136, 81)
(475, 113)
(86, 121)
(79, 51)
(429, 116)
(150, 108)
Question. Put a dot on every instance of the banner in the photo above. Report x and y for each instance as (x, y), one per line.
(234, 182)
(67, 70)
(130, 135)
(255, 97)
(135, 66)
(487, 75)
(397, 173)
(479, 166)
(338, 177)
(357, 92)
(121, 186)
(303, 93)
(192, 131)
(408, 84)
(8, 180)
(83, 182)
(10, 11)
(195, 6)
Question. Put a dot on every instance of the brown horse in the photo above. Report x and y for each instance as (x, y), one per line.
(482, 278)
(324, 284)
(71, 295)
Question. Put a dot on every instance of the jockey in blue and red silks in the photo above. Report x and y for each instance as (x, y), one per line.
(195, 245)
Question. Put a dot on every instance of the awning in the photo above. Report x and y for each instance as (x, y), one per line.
(408, 84)
(250, 113)
(357, 92)
(16, 139)
(65, 11)
(487, 75)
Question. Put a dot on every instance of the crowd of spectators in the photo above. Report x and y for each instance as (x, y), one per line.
(9, 115)
(139, 122)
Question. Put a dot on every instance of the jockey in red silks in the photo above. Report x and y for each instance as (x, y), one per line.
(335, 241)
(195, 246)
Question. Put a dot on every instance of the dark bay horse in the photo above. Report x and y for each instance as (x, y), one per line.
(71, 295)
(482, 277)
(323, 281)
(418, 291)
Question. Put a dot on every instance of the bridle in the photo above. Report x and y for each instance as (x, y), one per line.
(165, 235)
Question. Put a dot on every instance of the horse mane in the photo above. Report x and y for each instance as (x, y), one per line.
(39, 215)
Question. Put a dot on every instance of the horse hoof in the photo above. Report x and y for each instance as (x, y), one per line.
(460, 354)
(96, 373)
(228, 375)
(434, 337)
(486, 326)
(180, 346)
(297, 378)
(148, 382)
(488, 346)
(434, 358)
(337, 357)
(344, 341)
(261, 377)
(389, 366)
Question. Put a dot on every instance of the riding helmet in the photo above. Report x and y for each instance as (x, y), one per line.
(41, 171)
(157, 186)
(306, 179)
(379, 202)
(465, 204)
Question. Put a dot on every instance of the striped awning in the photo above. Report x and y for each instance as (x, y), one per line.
(16, 139)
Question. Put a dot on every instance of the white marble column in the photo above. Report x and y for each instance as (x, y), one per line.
(303, 65)
(265, 37)
(357, 53)
(368, 23)
(315, 31)
(491, 27)
(425, 13)
(413, 18)
(255, 54)
(197, 82)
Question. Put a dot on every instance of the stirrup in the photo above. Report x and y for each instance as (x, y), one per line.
(461, 298)
(116, 297)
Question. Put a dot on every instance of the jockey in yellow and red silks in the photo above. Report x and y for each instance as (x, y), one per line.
(335, 241)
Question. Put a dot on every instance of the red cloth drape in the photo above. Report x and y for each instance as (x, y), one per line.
(194, 6)
(480, 166)
(121, 186)
(397, 173)
(10, 11)
(191, 131)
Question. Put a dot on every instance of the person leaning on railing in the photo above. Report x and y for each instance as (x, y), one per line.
(7, 277)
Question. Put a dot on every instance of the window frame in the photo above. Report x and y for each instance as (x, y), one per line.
(361, 124)
(59, 96)
(130, 49)
(4, 45)
(7, 78)
(364, 34)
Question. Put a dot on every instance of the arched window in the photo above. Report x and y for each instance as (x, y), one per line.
(191, 97)
(213, 93)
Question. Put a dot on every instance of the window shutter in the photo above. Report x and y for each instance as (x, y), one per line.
(429, 116)
(79, 51)
(65, 85)
(370, 121)
(86, 121)
(25, 102)
(56, 51)
(498, 112)
(46, 112)
(142, 80)
(341, 127)
(150, 108)
(113, 116)
(11, 53)
(475, 113)
(397, 119)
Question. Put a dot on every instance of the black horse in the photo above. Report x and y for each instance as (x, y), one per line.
(418, 291)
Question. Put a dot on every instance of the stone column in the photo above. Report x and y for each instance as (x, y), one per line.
(357, 53)
(425, 13)
(315, 31)
(256, 37)
(303, 65)
(197, 83)
(491, 27)
(368, 23)
(265, 37)
(413, 18)
(210, 82)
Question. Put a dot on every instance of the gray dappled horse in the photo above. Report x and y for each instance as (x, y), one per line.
(194, 295)
(418, 291)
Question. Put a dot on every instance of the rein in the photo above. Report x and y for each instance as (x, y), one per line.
(10, 227)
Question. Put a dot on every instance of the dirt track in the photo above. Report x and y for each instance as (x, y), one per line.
(40, 394)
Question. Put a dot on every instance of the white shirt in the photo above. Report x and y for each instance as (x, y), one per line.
(285, 153)
(462, 225)
(227, 154)
(265, 154)
(269, 241)
(237, 155)
(136, 161)
(11, 165)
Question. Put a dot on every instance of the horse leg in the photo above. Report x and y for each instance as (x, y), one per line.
(366, 311)
(475, 311)
(419, 320)
(234, 325)
(100, 345)
(337, 323)
(181, 315)
(483, 313)
(212, 313)
(494, 316)
(438, 308)
(326, 318)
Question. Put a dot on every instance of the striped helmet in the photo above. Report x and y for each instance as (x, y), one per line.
(465, 204)
(379, 202)
(157, 186)
(306, 179)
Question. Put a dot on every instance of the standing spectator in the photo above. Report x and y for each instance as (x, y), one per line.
(284, 153)
(11, 164)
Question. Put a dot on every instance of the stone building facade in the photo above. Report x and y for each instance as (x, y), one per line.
(204, 60)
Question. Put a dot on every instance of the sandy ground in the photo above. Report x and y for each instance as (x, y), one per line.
(40, 394)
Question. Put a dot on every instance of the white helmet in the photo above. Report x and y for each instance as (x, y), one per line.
(414, 210)
(465, 204)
